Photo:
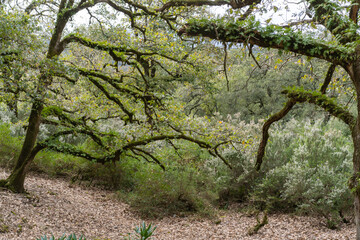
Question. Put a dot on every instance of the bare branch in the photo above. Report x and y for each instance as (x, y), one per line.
(151, 156)
(327, 79)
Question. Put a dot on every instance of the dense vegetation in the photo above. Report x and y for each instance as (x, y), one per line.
(135, 101)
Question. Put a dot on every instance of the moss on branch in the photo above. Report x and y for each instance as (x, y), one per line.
(321, 100)
(270, 36)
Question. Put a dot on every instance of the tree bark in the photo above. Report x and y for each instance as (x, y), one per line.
(354, 184)
(15, 181)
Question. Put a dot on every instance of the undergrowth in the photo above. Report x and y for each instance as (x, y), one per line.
(306, 169)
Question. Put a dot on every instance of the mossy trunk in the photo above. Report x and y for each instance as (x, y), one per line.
(15, 181)
(354, 183)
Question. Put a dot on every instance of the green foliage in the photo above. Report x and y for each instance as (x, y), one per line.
(178, 190)
(307, 168)
(10, 146)
(64, 237)
(142, 232)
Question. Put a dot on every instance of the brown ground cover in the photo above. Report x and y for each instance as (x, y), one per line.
(54, 206)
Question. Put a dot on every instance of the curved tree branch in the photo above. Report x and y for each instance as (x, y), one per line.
(281, 114)
(324, 102)
(265, 131)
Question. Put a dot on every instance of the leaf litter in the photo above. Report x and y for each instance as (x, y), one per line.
(53, 206)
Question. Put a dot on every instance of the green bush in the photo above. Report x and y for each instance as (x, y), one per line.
(10, 146)
(308, 166)
(158, 193)
(306, 169)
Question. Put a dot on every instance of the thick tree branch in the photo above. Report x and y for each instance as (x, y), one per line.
(143, 142)
(268, 37)
(354, 11)
(324, 102)
(70, 149)
(113, 50)
(233, 3)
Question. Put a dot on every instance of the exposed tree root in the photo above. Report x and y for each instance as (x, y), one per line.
(259, 224)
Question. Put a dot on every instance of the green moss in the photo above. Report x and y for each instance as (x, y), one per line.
(51, 110)
(323, 101)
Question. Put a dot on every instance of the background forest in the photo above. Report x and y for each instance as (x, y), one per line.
(172, 125)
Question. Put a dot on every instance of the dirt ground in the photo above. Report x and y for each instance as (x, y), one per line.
(53, 206)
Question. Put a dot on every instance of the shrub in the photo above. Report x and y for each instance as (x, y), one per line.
(176, 191)
(308, 169)
(10, 146)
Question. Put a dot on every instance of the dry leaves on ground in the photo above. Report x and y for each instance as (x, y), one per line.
(55, 207)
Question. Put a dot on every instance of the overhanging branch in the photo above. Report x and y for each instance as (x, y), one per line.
(269, 37)
(321, 100)
(235, 4)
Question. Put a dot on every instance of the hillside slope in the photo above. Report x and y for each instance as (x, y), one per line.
(54, 206)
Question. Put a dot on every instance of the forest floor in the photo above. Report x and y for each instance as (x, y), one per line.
(54, 206)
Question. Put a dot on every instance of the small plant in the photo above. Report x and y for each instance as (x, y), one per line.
(142, 232)
(4, 228)
(70, 237)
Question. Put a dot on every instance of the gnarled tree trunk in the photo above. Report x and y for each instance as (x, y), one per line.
(15, 181)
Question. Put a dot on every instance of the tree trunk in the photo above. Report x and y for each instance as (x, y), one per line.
(15, 181)
(354, 183)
